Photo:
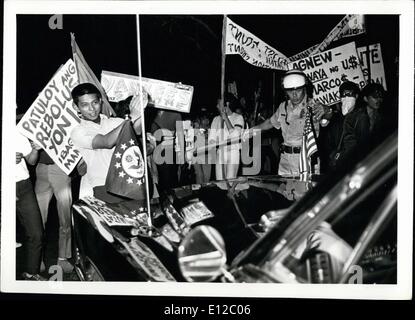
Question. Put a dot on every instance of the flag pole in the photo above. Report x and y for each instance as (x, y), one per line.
(143, 129)
(369, 75)
(273, 92)
(222, 76)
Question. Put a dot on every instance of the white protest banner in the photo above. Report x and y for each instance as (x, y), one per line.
(329, 69)
(355, 26)
(51, 118)
(162, 94)
(304, 54)
(350, 25)
(252, 49)
(377, 71)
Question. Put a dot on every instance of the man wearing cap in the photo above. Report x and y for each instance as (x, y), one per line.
(290, 118)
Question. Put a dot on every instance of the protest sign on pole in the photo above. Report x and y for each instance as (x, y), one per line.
(350, 25)
(252, 49)
(162, 94)
(329, 69)
(51, 118)
(376, 63)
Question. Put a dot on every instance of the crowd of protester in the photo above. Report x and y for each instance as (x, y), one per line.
(359, 119)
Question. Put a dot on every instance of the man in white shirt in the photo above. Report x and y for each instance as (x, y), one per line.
(227, 125)
(27, 209)
(96, 135)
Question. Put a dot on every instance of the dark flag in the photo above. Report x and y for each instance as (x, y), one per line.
(126, 172)
(85, 74)
(308, 145)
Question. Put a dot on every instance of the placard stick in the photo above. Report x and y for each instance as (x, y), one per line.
(368, 53)
(230, 141)
(143, 127)
(222, 75)
(273, 92)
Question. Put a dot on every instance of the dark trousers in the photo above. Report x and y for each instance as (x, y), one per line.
(29, 216)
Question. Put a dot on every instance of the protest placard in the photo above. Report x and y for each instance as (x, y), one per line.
(51, 118)
(107, 215)
(377, 71)
(162, 94)
(252, 49)
(196, 212)
(147, 260)
(329, 69)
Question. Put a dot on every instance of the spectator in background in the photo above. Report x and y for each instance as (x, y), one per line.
(329, 138)
(203, 162)
(163, 128)
(373, 96)
(51, 180)
(226, 125)
(356, 125)
(27, 210)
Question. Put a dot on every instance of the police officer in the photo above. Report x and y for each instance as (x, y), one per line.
(290, 118)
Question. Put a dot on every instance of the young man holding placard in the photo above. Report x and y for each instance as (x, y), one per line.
(97, 134)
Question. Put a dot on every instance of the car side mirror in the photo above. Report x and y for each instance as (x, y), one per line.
(202, 255)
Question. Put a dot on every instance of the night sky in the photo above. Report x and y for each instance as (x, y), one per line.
(179, 48)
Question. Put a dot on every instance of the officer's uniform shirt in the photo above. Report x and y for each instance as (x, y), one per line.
(292, 132)
(291, 121)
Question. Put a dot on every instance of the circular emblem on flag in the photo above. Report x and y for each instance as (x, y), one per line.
(132, 162)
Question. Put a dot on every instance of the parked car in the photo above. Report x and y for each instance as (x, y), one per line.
(333, 229)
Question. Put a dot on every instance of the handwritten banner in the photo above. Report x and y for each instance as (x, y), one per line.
(252, 49)
(304, 54)
(329, 69)
(350, 25)
(377, 71)
(162, 94)
(51, 118)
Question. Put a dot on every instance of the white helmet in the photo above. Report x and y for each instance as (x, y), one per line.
(294, 79)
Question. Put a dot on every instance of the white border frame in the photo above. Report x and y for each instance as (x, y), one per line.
(402, 290)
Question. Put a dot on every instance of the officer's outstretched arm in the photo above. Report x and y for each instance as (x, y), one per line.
(266, 125)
